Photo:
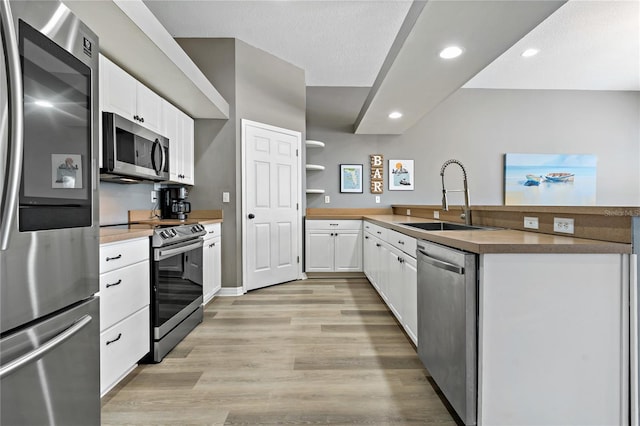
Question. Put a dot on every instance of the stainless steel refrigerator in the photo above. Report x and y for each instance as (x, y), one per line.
(49, 315)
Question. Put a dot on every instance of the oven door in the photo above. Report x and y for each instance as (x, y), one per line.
(177, 285)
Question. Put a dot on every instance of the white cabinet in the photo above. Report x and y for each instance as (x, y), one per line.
(391, 267)
(211, 262)
(179, 128)
(124, 308)
(333, 246)
(126, 96)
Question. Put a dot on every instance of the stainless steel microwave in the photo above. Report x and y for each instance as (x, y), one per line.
(132, 153)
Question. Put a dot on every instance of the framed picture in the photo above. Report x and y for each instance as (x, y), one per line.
(66, 171)
(351, 178)
(550, 179)
(401, 176)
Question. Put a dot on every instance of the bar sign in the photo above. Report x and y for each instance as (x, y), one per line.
(377, 173)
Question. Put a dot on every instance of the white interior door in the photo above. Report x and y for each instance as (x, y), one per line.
(271, 192)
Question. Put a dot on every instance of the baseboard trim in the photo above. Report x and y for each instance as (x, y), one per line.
(230, 291)
(311, 275)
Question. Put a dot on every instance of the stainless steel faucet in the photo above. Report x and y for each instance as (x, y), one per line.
(466, 214)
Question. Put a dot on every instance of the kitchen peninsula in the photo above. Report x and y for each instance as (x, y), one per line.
(552, 310)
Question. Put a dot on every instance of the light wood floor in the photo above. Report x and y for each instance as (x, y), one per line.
(320, 351)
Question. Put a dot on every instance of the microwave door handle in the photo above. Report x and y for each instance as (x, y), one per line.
(164, 157)
(156, 145)
(15, 130)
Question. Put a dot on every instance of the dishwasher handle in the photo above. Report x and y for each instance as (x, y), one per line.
(441, 264)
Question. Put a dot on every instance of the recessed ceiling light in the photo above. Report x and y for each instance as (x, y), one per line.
(450, 52)
(395, 115)
(529, 53)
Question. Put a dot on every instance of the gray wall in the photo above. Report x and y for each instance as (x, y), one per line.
(478, 127)
(258, 87)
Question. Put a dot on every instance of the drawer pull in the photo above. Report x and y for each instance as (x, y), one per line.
(114, 340)
(114, 284)
(114, 258)
(379, 232)
(212, 232)
(378, 245)
(401, 242)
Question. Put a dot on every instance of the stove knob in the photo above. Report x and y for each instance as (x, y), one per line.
(164, 235)
(173, 232)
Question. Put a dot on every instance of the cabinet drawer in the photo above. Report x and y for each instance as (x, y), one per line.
(122, 346)
(376, 230)
(213, 230)
(333, 224)
(403, 242)
(117, 255)
(122, 292)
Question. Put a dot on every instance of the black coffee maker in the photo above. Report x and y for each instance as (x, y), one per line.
(173, 204)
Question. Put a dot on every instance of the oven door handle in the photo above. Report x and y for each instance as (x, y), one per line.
(162, 254)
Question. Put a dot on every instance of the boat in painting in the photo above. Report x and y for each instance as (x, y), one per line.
(533, 180)
(559, 177)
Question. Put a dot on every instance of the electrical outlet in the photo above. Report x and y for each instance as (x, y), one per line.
(327, 199)
(408, 212)
(436, 214)
(225, 197)
(378, 199)
(531, 222)
(563, 225)
(154, 196)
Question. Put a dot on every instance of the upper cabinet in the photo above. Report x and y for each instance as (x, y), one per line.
(179, 128)
(126, 96)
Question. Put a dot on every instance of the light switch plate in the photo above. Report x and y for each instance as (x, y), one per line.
(563, 225)
(327, 199)
(225, 197)
(154, 196)
(408, 212)
(436, 214)
(531, 222)
(378, 199)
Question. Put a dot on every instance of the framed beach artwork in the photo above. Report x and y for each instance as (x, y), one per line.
(351, 178)
(550, 179)
(401, 177)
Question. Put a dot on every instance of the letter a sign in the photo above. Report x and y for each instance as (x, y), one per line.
(377, 173)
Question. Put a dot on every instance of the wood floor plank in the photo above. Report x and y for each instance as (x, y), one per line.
(320, 351)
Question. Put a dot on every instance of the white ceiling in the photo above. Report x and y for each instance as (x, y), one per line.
(584, 45)
(336, 42)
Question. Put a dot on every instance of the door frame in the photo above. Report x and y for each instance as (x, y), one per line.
(298, 135)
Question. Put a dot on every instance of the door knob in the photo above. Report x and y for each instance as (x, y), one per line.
(251, 215)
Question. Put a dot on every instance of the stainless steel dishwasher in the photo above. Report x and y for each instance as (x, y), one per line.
(447, 324)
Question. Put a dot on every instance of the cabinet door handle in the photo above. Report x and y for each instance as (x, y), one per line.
(212, 232)
(114, 258)
(114, 340)
(114, 284)
(366, 238)
(379, 232)
(378, 245)
(401, 242)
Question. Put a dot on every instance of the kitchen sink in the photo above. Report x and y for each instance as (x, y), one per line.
(447, 226)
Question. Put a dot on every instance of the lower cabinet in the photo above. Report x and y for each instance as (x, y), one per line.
(124, 309)
(211, 262)
(391, 267)
(121, 347)
(333, 246)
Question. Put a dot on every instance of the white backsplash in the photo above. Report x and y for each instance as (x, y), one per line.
(117, 199)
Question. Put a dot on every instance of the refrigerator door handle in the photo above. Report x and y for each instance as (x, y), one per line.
(14, 148)
(40, 351)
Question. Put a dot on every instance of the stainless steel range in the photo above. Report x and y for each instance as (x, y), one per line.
(176, 285)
